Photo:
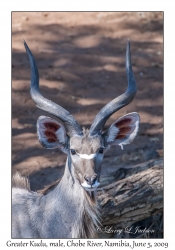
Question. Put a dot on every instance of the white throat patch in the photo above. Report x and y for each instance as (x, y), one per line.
(85, 156)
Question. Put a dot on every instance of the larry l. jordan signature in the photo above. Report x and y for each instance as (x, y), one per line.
(130, 230)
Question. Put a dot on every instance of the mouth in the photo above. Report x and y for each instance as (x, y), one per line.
(88, 187)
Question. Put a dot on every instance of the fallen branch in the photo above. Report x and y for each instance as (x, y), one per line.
(133, 198)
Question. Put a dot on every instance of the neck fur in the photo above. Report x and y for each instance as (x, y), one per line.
(79, 206)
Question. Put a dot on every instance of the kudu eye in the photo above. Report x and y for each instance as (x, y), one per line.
(73, 152)
(100, 151)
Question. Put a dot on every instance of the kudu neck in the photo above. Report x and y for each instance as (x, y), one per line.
(68, 186)
(70, 200)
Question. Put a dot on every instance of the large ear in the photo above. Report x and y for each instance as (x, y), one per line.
(51, 133)
(124, 130)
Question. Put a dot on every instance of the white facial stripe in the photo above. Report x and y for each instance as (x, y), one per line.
(85, 156)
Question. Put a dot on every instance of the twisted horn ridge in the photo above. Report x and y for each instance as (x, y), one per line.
(119, 102)
(73, 128)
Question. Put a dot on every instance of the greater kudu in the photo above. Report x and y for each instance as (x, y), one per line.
(69, 210)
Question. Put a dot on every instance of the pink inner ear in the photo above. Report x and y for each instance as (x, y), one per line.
(123, 123)
(51, 140)
(50, 131)
(51, 137)
(51, 126)
(120, 136)
(125, 127)
(123, 131)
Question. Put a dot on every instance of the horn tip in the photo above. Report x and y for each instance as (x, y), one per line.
(26, 46)
(128, 43)
(24, 42)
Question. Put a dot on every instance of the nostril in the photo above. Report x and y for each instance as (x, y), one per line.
(93, 180)
(90, 180)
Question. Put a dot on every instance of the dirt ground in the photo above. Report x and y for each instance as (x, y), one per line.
(81, 61)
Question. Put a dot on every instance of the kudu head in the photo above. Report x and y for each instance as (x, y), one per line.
(86, 148)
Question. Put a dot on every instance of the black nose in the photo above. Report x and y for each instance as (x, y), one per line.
(90, 180)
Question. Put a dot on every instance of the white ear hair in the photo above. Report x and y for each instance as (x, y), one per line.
(113, 133)
(124, 130)
(51, 133)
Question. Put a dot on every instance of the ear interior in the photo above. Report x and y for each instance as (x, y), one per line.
(124, 130)
(51, 133)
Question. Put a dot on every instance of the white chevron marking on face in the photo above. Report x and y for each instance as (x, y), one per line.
(85, 156)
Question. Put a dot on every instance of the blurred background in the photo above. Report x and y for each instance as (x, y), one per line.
(81, 61)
